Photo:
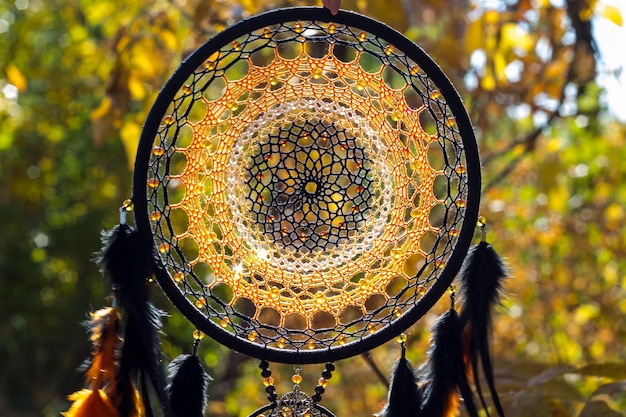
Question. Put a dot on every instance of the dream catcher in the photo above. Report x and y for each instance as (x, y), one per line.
(306, 188)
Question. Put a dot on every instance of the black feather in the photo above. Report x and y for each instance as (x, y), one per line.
(188, 386)
(128, 260)
(481, 285)
(444, 376)
(404, 396)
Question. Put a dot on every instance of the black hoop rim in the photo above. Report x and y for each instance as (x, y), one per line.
(453, 100)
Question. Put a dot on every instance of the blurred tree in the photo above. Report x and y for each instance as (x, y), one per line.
(78, 77)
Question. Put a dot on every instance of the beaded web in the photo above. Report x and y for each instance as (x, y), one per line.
(307, 185)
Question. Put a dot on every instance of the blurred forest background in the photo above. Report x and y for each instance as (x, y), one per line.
(77, 78)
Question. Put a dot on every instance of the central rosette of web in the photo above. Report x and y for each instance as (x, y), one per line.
(311, 190)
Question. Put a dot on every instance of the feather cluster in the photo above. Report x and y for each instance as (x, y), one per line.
(459, 343)
(124, 361)
(98, 400)
(481, 279)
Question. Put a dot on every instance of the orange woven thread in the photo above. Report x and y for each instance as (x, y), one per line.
(267, 276)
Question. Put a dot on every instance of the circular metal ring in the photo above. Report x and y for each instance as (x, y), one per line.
(311, 184)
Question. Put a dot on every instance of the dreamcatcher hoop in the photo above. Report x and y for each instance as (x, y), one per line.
(311, 183)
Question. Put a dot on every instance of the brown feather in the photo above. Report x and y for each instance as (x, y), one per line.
(106, 340)
(90, 403)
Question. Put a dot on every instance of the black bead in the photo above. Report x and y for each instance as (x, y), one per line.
(270, 389)
(330, 366)
(319, 389)
(266, 373)
(264, 364)
(316, 398)
(326, 375)
(272, 397)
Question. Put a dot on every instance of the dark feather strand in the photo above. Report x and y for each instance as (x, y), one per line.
(481, 285)
(444, 376)
(128, 260)
(188, 386)
(404, 396)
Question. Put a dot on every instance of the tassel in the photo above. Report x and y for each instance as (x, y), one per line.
(96, 402)
(404, 396)
(127, 260)
(481, 284)
(188, 386)
(444, 376)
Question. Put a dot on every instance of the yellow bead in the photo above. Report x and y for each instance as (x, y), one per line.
(200, 302)
(236, 46)
(320, 297)
(296, 379)
(311, 344)
(164, 247)
(440, 263)
(298, 27)
(453, 232)
(268, 381)
(389, 50)
(198, 334)
(275, 293)
(322, 382)
(187, 89)
(435, 95)
(450, 122)
(210, 65)
(267, 33)
(128, 205)
(224, 322)
(461, 203)
(362, 37)
(414, 70)
(281, 343)
(461, 169)
(317, 73)
(332, 28)
(179, 277)
(452, 289)
(158, 151)
(482, 221)
(153, 182)
(169, 120)
(401, 338)
(371, 327)
(252, 336)
(416, 212)
(421, 290)
(342, 339)
(155, 216)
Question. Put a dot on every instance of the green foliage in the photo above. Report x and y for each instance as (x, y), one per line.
(78, 77)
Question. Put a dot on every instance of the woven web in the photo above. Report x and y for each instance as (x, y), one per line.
(306, 186)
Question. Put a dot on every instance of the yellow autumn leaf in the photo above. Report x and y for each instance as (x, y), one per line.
(474, 36)
(169, 39)
(144, 58)
(15, 77)
(103, 109)
(488, 82)
(610, 12)
(130, 133)
(136, 87)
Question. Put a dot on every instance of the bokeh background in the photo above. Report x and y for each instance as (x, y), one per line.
(77, 78)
